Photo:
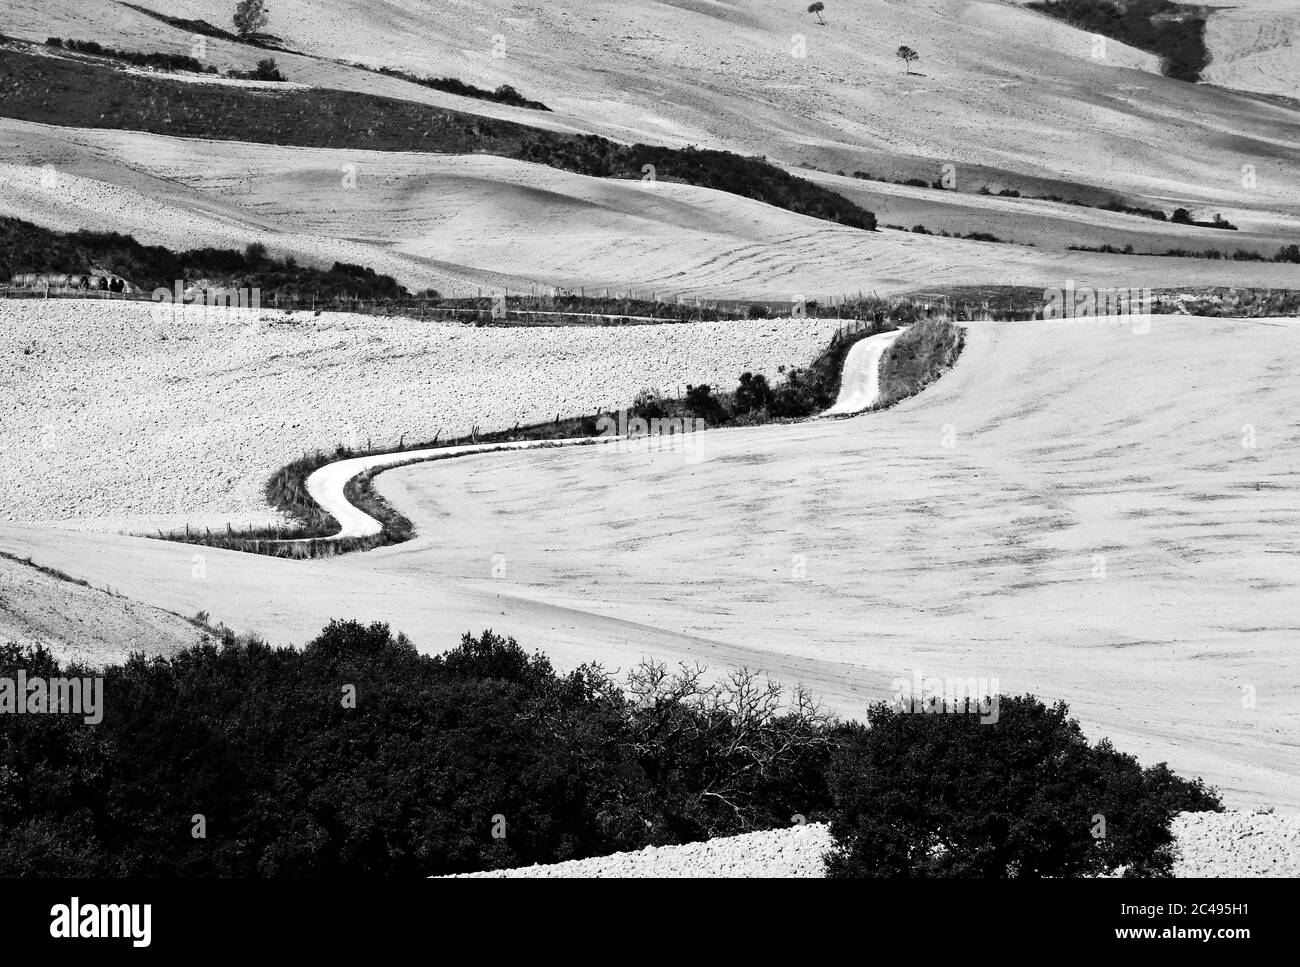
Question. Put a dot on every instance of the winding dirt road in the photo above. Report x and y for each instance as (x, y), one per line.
(328, 485)
(859, 388)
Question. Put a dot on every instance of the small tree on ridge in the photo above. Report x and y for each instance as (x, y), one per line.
(250, 17)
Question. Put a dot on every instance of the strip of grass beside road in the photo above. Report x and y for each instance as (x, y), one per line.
(920, 356)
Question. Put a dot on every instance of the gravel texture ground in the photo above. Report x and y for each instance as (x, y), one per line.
(132, 416)
(794, 852)
(1229, 844)
(1238, 843)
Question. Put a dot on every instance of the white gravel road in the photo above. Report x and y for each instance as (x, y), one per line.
(858, 391)
(327, 485)
(860, 385)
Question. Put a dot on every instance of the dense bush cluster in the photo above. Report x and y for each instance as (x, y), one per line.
(800, 392)
(1173, 31)
(357, 756)
(505, 94)
(266, 70)
(25, 247)
(436, 756)
(754, 178)
(169, 62)
(1287, 253)
(918, 357)
(1220, 302)
(944, 795)
(1182, 216)
(943, 233)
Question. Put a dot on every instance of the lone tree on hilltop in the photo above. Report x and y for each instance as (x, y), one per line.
(817, 8)
(908, 55)
(250, 17)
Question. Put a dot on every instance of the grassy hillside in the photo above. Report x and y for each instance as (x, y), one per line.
(920, 356)
(56, 90)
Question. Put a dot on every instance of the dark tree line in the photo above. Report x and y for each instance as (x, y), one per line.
(358, 756)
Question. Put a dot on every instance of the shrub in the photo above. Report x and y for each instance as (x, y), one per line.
(505, 94)
(702, 404)
(796, 396)
(267, 70)
(250, 17)
(409, 778)
(358, 756)
(934, 794)
(753, 393)
(918, 357)
(168, 62)
(25, 247)
(726, 755)
(649, 404)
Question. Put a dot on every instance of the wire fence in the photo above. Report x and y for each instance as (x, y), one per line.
(572, 309)
(580, 308)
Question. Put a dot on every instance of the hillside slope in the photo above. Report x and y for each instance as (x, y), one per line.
(1255, 46)
(997, 85)
(1010, 98)
(847, 554)
(463, 223)
(83, 624)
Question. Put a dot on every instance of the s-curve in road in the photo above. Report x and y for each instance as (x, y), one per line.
(860, 385)
(859, 388)
(328, 485)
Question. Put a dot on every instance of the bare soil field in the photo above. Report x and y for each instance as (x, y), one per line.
(138, 416)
